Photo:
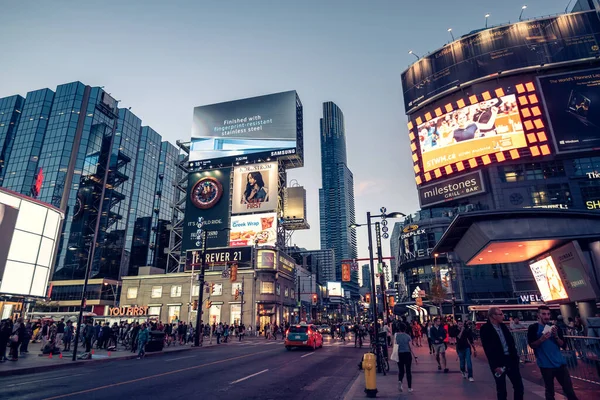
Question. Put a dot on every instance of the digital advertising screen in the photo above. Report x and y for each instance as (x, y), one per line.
(255, 188)
(572, 267)
(572, 102)
(488, 52)
(548, 280)
(253, 229)
(231, 131)
(483, 128)
(334, 289)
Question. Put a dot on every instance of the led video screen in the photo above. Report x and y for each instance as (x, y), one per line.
(548, 280)
(476, 130)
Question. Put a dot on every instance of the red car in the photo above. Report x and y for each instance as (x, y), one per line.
(303, 335)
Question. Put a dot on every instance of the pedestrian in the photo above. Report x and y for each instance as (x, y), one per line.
(416, 329)
(520, 339)
(501, 352)
(89, 333)
(546, 341)
(405, 355)
(464, 344)
(68, 335)
(27, 338)
(219, 332)
(17, 335)
(60, 331)
(5, 333)
(438, 335)
(134, 335)
(225, 333)
(142, 339)
(428, 333)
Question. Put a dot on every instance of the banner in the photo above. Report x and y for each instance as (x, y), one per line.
(255, 229)
(346, 276)
(255, 188)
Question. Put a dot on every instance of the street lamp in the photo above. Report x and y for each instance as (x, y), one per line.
(451, 34)
(486, 19)
(413, 53)
(88, 267)
(522, 9)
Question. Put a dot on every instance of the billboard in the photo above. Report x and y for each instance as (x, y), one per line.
(572, 102)
(254, 229)
(29, 233)
(266, 259)
(548, 279)
(450, 189)
(334, 289)
(255, 188)
(572, 268)
(346, 275)
(446, 280)
(263, 126)
(489, 52)
(476, 130)
(208, 194)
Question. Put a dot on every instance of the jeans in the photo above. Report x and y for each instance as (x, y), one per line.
(405, 360)
(513, 373)
(141, 349)
(465, 355)
(562, 376)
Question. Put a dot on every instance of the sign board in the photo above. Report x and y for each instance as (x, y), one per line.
(450, 189)
(238, 255)
(128, 311)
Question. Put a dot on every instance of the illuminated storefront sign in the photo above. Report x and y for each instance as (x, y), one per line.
(455, 188)
(128, 311)
(592, 204)
(412, 255)
(286, 264)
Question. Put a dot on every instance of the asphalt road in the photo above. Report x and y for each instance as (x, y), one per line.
(254, 370)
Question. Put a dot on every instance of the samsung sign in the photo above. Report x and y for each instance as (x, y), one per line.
(450, 189)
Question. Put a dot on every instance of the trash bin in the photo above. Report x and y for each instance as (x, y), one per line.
(156, 341)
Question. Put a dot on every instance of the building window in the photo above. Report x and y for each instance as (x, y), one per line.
(132, 293)
(286, 292)
(214, 314)
(176, 291)
(217, 289)
(278, 289)
(236, 286)
(555, 194)
(154, 311)
(292, 294)
(531, 171)
(235, 314)
(156, 292)
(584, 166)
(196, 290)
(174, 312)
(267, 288)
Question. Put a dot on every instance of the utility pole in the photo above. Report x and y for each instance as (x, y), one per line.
(242, 305)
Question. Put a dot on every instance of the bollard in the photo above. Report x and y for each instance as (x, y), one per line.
(369, 367)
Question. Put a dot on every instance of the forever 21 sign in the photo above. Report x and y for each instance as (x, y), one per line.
(230, 255)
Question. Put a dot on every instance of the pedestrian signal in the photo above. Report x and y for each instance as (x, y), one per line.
(314, 299)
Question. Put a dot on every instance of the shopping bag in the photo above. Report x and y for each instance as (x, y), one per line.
(394, 356)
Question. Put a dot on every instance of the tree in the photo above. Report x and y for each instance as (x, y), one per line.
(437, 293)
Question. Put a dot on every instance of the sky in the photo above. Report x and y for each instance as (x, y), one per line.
(163, 58)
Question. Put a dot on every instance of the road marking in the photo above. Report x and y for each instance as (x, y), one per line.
(306, 355)
(44, 380)
(145, 378)
(249, 376)
(179, 358)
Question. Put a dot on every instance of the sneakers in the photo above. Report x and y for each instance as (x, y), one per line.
(446, 370)
(464, 374)
(400, 388)
(439, 367)
(409, 390)
(471, 379)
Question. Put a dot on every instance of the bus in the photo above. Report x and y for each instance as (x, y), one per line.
(527, 313)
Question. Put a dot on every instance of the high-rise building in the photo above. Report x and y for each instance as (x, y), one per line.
(366, 276)
(10, 114)
(336, 197)
(319, 262)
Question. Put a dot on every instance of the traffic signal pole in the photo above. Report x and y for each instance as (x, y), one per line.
(201, 291)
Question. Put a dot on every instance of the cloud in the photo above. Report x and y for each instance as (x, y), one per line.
(368, 187)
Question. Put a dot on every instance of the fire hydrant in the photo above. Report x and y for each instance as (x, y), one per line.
(368, 365)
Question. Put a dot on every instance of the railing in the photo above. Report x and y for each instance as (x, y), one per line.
(582, 354)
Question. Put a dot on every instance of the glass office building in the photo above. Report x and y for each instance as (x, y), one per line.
(10, 114)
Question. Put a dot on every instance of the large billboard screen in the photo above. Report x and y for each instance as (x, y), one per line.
(548, 279)
(260, 126)
(572, 267)
(208, 195)
(492, 51)
(476, 130)
(334, 289)
(572, 103)
(255, 188)
(254, 229)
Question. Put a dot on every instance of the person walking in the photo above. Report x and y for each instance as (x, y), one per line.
(16, 337)
(464, 344)
(428, 333)
(546, 341)
(89, 334)
(438, 335)
(501, 352)
(142, 339)
(27, 338)
(405, 356)
(68, 336)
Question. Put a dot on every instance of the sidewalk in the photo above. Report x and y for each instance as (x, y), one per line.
(35, 362)
(430, 383)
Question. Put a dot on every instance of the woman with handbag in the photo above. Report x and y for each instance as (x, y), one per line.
(17, 335)
(403, 354)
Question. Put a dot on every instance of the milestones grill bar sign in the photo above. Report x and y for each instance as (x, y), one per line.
(450, 189)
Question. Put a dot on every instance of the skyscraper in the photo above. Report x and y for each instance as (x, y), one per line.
(336, 197)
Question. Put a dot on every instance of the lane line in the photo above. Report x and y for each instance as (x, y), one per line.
(306, 355)
(44, 380)
(179, 358)
(248, 377)
(145, 378)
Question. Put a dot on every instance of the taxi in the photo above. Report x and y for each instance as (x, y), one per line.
(303, 335)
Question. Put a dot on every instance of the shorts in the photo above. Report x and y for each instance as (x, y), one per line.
(439, 348)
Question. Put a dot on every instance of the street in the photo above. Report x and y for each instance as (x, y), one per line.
(250, 370)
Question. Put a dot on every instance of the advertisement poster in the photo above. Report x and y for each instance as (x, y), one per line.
(8, 221)
(529, 43)
(234, 129)
(208, 194)
(266, 259)
(548, 280)
(483, 128)
(346, 276)
(254, 188)
(446, 280)
(255, 229)
(450, 189)
(572, 102)
(572, 268)
(334, 289)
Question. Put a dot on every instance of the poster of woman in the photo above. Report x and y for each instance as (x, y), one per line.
(255, 188)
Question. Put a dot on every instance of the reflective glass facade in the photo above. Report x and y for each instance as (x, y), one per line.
(10, 113)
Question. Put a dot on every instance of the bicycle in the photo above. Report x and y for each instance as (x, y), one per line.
(383, 363)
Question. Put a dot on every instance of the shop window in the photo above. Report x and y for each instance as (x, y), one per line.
(278, 289)
(132, 293)
(196, 290)
(176, 291)
(156, 292)
(174, 312)
(154, 311)
(214, 314)
(286, 292)
(235, 314)
(217, 289)
(267, 288)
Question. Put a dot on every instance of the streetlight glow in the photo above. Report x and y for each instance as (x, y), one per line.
(522, 9)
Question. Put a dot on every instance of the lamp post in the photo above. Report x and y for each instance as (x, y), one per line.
(451, 34)
(413, 53)
(88, 267)
(486, 19)
(521, 15)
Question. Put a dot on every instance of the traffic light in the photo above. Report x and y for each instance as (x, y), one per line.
(195, 305)
(314, 299)
(233, 274)
(208, 304)
(237, 293)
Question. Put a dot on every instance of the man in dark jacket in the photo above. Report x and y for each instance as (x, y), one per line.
(438, 335)
(501, 352)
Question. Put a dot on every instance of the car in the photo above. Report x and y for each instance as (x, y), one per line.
(303, 335)
(324, 329)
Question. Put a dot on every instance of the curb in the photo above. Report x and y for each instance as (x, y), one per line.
(79, 363)
(353, 389)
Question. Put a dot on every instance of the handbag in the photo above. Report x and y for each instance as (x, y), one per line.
(394, 355)
(14, 338)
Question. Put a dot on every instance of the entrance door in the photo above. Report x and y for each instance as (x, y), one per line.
(264, 320)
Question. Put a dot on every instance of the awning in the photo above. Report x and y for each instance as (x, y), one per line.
(495, 237)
